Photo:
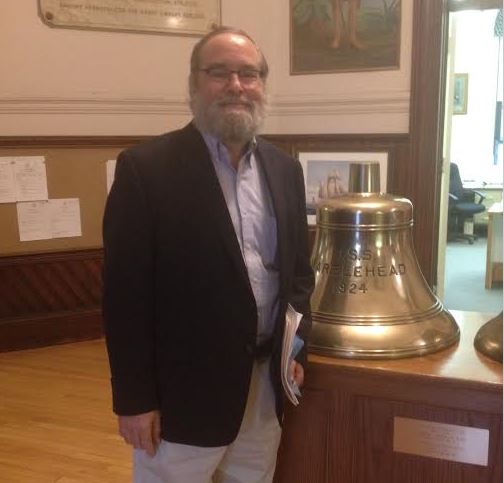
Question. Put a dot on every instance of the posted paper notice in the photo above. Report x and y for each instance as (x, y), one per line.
(7, 180)
(65, 218)
(34, 221)
(30, 178)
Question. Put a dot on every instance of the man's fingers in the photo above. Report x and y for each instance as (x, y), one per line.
(146, 442)
(156, 430)
(142, 431)
(298, 373)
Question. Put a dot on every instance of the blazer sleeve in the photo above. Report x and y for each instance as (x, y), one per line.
(303, 280)
(128, 296)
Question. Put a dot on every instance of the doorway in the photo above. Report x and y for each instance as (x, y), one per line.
(472, 147)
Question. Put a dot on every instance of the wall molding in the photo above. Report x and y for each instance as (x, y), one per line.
(299, 105)
(315, 104)
(92, 105)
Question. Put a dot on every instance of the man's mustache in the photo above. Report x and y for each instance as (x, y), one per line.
(226, 101)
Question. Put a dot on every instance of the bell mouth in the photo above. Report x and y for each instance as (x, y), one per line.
(379, 340)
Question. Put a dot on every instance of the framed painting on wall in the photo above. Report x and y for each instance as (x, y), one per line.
(344, 35)
(326, 175)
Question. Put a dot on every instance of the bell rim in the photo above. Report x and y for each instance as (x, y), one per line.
(373, 320)
(396, 353)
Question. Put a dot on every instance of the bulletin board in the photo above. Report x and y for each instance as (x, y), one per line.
(75, 168)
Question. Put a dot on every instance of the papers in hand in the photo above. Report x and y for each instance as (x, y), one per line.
(291, 345)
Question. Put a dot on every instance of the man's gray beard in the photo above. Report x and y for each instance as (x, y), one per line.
(233, 127)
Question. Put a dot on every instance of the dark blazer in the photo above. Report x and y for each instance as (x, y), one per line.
(180, 315)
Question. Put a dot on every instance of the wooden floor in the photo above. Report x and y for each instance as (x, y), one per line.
(56, 422)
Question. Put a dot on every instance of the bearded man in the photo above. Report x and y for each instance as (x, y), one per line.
(205, 243)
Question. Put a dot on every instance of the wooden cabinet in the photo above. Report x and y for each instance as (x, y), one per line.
(343, 430)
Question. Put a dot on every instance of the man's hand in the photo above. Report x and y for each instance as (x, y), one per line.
(142, 431)
(297, 373)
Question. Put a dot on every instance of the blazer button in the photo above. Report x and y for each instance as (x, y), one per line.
(250, 348)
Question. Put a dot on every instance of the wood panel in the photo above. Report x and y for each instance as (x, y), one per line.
(342, 432)
(50, 298)
(422, 175)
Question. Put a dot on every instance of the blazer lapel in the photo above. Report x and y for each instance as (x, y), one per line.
(211, 193)
(275, 182)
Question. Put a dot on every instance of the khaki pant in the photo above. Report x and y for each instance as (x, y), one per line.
(251, 458)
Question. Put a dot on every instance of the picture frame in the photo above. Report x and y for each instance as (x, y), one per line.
(326, 174)
(344, 36)
(460, 90)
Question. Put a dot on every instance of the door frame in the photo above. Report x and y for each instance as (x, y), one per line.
(422, 176)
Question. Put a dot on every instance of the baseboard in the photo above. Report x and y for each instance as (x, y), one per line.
(50, 329)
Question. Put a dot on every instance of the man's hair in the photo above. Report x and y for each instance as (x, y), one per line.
(196, 52)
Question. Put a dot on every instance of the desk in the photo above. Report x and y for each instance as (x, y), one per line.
(494, 246)
(342, 432)
(492, 193)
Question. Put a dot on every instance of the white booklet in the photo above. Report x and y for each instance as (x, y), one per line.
(291, 345)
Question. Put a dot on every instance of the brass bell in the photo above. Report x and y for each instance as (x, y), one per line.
(488, 340)
(371, 299)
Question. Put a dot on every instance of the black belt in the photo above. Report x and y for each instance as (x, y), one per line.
(263, 350)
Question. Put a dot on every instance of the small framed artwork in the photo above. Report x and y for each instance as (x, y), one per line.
(460, 89)
(326, 174)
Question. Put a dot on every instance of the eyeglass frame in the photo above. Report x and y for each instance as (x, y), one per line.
(261, 75)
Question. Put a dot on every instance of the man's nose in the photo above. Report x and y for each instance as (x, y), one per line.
(234, 83)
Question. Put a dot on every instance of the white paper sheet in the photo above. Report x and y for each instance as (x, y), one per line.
(34, 220)
(65, 217)
(7, 184)
(111, 164)
(292, 320)
(30, 178)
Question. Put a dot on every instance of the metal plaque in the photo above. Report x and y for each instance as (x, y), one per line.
(451, 442)
(165, 16)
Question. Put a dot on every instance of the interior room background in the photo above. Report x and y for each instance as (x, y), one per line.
(79, 93)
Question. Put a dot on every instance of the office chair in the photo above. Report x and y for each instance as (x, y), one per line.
(461, 207)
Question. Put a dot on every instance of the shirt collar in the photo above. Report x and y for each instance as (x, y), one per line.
(219, 151)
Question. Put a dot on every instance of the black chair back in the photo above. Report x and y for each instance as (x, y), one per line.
(456, 188)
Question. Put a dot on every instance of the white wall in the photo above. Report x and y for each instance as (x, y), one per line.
(78, 82)
(476, 53)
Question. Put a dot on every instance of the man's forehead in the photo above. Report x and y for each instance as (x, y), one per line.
(229, 43)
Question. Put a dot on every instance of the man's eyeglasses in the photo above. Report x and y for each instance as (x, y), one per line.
(223, 75)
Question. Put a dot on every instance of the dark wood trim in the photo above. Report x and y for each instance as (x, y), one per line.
(23, 142)
(50, 329)
(30, 259)
(422, 176)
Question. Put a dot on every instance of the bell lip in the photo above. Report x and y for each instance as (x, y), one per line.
(487, 341)
(399, 353)
(363, 346)
(373, 320)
